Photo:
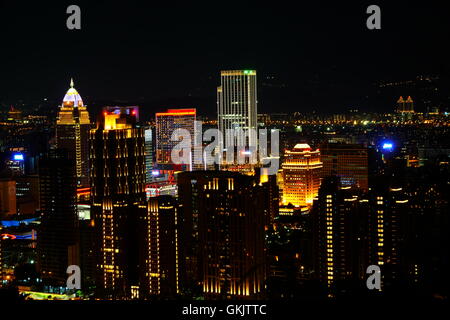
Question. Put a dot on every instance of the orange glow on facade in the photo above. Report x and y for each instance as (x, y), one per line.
(177, 112)
(301, 175)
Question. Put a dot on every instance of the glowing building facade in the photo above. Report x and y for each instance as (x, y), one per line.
(117, 152)
(302, 169)
(72, 133)
(237, 109)
(162, 237)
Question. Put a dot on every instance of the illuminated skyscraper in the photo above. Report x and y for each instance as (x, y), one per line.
(347, 161)
(72, 133)
(391, 228)
(118, 200)
(301, 175)
(166, 124)
(337, 236)
(237, 107)
(162, 237)
(223, 250)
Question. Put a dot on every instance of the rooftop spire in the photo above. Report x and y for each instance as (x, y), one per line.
(71, 82)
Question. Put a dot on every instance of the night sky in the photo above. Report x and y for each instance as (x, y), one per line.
(308, 57)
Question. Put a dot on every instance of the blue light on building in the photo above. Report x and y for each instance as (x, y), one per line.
(18, 157)
(387, 146)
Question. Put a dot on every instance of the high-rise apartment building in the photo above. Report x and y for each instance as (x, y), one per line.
(347, 161)
(302, 168)
(237, 109)
(223, 249)
(337, 235)
(72, 133)
(161, 265)
(117, 152)
(390, 231)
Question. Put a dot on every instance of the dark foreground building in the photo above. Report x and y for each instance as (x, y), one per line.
(58, 235)
(223, 249)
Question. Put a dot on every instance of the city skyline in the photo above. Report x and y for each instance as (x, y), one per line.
(164, 154)
(312, 57)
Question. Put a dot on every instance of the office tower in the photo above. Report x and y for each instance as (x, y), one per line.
(57, 241)
(162, 236)
(7, 197)
(148, 136)
(337, 235)
(72, 133)
(223, 250)
(348, 161)
(405, 106)
(302, 170)
(117, 152)
(237, 108)
(166, 123)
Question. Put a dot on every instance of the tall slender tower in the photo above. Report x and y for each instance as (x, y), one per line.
(161, 266)
(337, 235)
(117, 152)
(72, 133)
(237, 106)
(149, 139)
